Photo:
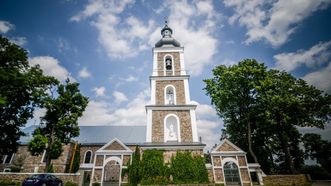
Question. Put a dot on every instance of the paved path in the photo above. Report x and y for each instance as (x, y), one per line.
(322, 183)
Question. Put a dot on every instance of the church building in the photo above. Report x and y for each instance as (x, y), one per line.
(105, 151)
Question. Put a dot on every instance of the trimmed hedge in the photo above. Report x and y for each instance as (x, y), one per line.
(188, 169)
(152, 169)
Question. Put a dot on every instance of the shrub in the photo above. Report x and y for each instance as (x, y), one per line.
(50, 168)
(9, 183)
(316, 172)
(152, 169)
(134, 168)
(69, 183)
(188, 169)
(96, 184)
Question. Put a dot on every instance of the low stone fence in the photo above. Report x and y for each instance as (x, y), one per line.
(284, 180)
(65, 177)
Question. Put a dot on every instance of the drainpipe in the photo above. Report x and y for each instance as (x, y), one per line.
(72, 157)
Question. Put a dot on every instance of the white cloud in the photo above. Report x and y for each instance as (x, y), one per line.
(273, 24)
(5, 26)
(121, 38)
(316, 56)
(20, 41)
(196, 36)
(51, 67)
(63, 45)
(84, 73)
(130, 78)
(209, 125)
(102, 113)
(228, 62)
(99, 91)
(320, 78)
(119, 97)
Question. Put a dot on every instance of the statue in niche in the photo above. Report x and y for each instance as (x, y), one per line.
(172, 134)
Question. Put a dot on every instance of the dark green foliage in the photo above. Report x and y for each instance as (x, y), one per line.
(188, 169)
(21, 90)
(69, 183)
(9, 183)
(50, 168)
(134, 168)
(59, 124)
(153, 171)
(96, 184)
(262, 109)
(316, 172)
(316, 148)
(76, 163)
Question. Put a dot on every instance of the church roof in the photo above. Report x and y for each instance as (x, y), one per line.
(101, 134)
(167, 39)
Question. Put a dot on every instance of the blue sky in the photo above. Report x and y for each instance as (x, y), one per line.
(106, 46)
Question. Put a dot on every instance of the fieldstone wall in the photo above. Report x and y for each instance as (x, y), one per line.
(65, 177)
(85, 148)
(158, 126)
(275, 180)
(114, 146)
(29, 163)
(180, 91)
(242, 160)
(175, 62)
(226, 147)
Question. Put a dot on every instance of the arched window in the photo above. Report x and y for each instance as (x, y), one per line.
(171, 129)
(170, 95)
(88, 157)
(231, 173)
(168, 63)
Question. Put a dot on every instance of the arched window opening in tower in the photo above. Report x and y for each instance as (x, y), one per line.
(170, 97)
(168, 63)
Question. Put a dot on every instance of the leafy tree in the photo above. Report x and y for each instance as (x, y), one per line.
(59, 124)
(318, 149)
(290, 102)
(233, 92)
(261, 109)
(22, 88)
(134, 168)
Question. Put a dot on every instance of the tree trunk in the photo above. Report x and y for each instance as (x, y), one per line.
(249, 140)
(288, 157)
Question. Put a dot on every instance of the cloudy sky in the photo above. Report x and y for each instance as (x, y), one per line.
(106, 46)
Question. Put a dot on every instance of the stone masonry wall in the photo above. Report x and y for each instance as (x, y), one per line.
(29, 162)
(84, 149)
(275, 180)
(226, 147)
(180, 92)
(175, 62)
(158, 125)
(65, 177)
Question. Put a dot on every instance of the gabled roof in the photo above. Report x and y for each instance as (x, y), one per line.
(100, 134)
(114, 145)
(227, 146)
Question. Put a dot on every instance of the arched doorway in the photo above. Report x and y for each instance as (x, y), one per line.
(112, 172)
(231, 173)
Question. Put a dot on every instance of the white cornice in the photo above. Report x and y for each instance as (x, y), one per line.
(171, 107)
(183, 77)
(168, 49)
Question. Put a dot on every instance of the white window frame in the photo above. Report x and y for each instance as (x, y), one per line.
(5, 158)
(90, 157)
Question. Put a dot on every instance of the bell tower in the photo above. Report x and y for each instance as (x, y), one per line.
(171, 116)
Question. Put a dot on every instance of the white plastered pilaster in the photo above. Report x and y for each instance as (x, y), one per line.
(149, 126)
(194, 126)
(187, 92)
